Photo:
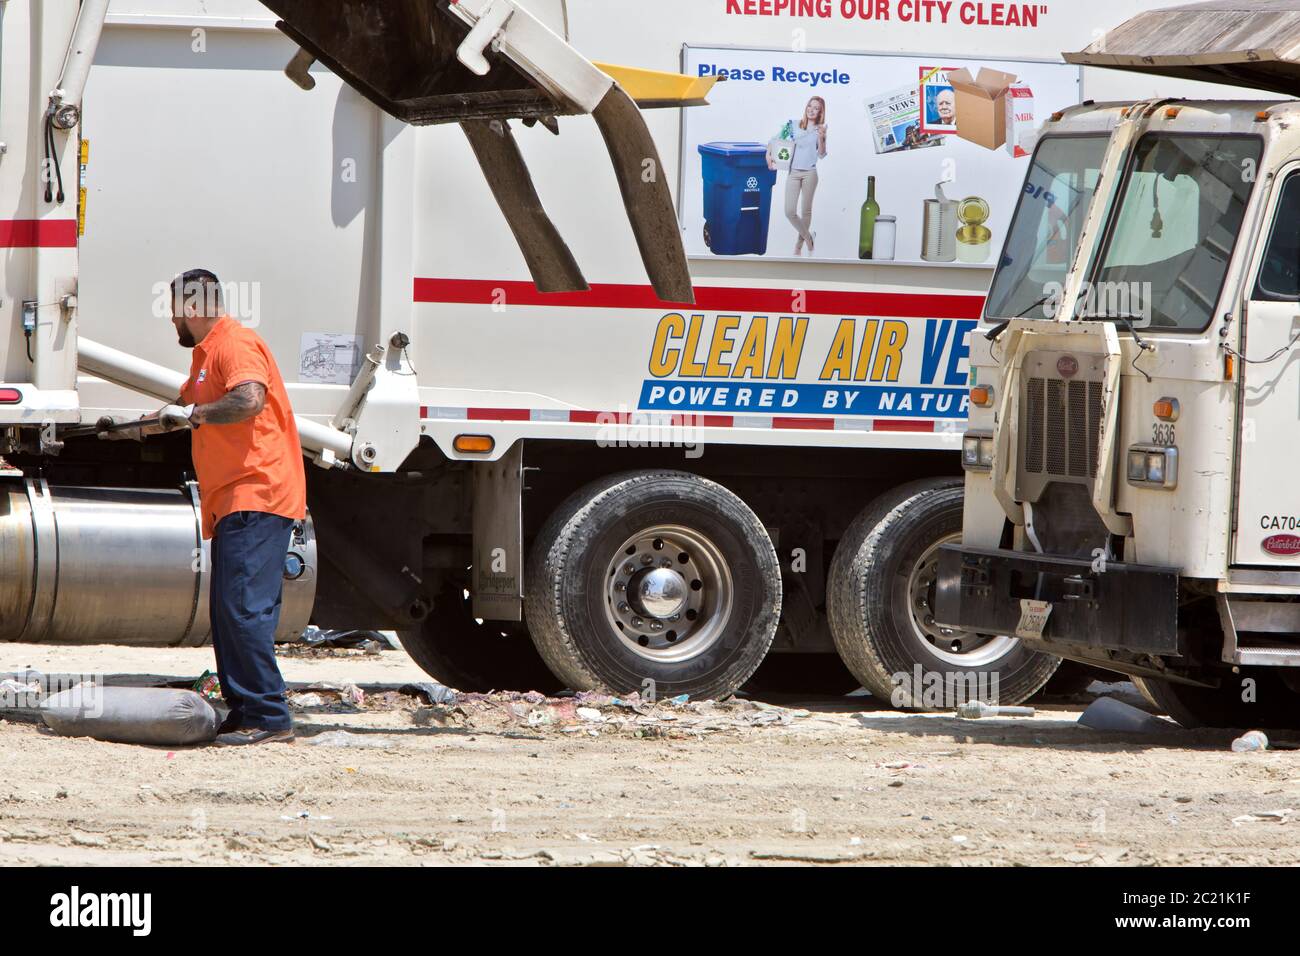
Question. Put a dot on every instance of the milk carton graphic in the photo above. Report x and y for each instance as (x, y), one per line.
(1022, 130)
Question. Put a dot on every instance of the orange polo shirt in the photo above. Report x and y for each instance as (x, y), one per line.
(256, 464)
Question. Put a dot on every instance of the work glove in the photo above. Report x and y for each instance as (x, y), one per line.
(175, 418)
(126, 434)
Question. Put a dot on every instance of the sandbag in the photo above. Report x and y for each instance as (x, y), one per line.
(132, 715)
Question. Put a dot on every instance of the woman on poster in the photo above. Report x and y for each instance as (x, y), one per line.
(801, 183)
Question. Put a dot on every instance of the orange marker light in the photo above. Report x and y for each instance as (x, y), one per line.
(1172, 112)
(474, 444)
(981, 395)
(1166, 409)
(1229, 367)
(1262, 116)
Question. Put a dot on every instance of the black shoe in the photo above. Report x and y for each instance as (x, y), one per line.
(254, 735)
(231, 723)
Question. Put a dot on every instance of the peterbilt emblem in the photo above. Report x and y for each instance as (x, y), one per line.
(1067, 366)
(1282, 545)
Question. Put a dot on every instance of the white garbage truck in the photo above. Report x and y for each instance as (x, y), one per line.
(1129, 499)
(553, 451)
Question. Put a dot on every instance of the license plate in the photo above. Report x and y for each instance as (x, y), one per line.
(1033, 618)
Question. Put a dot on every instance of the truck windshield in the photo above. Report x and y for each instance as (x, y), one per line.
(1172, 236)
(1046, 227)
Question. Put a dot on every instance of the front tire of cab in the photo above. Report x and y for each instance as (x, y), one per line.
(879, 597)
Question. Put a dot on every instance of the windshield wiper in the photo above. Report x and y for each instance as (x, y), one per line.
(1143, 346)
(993, 333)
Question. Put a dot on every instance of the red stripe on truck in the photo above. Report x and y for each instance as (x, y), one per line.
(894, 425)
(708, 298)
(498, 415)
(38, 233)
(817, 424)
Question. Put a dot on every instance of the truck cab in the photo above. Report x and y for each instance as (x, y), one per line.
(1135, 386)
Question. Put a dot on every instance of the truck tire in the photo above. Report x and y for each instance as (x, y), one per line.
(653, 576)
(880, 588)
(455, 649)
(1275, 705)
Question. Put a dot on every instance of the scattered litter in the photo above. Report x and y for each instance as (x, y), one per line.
(341, 738)
(590, 713)
(1109, 714)
(208, 686)
(325, 694)
(1250, 742)
(430, 692)
(1264, 816)
(977, 709)
(11, 686)
(304, 815)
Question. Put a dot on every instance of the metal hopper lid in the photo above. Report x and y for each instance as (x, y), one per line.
(1251, 43)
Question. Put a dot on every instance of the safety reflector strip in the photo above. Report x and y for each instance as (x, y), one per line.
(677, 420)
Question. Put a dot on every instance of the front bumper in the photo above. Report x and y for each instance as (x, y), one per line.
(1109, 606)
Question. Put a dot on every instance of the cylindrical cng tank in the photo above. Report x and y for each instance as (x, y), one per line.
(120, 566)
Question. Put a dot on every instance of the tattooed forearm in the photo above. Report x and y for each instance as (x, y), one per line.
(239, 404)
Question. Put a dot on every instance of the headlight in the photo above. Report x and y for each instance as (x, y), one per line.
(977, 451)
(1137, 466)
(1153, 466)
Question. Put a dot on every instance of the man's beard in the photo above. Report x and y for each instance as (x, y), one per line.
(186, 337)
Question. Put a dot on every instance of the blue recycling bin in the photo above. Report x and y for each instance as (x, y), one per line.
(737, 198)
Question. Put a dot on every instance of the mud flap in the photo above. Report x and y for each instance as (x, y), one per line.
(549, 260)
(499, 537)
(646, 196)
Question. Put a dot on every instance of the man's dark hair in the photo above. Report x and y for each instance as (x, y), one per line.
(201, 288)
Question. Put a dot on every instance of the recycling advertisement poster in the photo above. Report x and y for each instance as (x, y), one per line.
(841, 156)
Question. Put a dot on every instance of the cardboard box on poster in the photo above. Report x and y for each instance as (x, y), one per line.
(982, 105)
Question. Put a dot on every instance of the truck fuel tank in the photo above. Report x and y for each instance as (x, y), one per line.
(120, 566)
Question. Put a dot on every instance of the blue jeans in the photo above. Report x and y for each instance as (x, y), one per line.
(248, 549)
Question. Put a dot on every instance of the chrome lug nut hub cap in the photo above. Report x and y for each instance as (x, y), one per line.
(668, 593)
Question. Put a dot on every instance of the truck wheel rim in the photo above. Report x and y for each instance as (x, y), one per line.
(958, 648)
(668, 593)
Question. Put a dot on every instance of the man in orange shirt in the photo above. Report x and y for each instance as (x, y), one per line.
(252, 486)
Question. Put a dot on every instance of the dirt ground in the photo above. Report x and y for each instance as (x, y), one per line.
(509, 779)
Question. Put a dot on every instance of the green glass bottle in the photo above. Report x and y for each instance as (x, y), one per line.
(870, 212)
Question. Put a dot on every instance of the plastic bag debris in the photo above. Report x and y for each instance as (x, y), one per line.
(430, 692)
(132, 715)
(317, 637)
(1250, 742)
(341, 738)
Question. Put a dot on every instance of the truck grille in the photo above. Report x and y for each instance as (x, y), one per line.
(1062, 427)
